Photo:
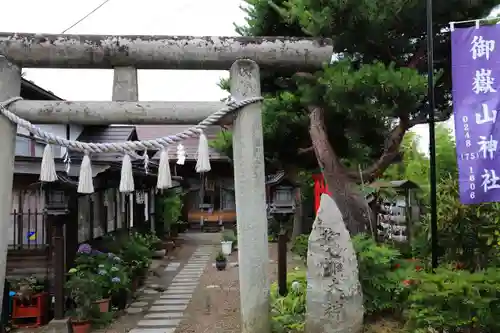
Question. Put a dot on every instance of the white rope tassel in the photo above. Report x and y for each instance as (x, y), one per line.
(48, 168)
(164, 176)
(203, 161)
(85, 182)
(127, 176)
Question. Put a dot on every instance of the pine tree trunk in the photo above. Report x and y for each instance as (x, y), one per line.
(345, 193)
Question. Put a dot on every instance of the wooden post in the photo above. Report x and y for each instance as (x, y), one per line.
(282, 239)
(10, 86)
(249, 182)
(59, 270)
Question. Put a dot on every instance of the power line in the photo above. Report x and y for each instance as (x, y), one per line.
(83, 18)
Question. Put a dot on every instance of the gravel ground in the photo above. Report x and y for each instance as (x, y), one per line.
(215, 307)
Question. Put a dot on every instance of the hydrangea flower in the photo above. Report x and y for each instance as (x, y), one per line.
(102, 272)
(116, 279)
(85, 248)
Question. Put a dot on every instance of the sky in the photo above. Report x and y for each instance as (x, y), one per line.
(128, 17)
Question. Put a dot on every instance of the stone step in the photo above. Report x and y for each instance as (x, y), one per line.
(153, 330)
(160, 323)
(168, 308)
(178, 292)
(176, 296)
(138, 304)
(172, 302)
(164, 315)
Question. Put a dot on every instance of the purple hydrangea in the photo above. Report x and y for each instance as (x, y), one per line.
(85, 248)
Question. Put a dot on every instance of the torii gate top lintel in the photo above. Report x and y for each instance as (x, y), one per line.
(163, 52)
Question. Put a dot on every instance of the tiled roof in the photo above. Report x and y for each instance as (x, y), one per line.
(101, 134)
(148, 132)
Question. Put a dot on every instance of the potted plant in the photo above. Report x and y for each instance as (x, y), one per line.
(220, 261)
(182, 226)
(112, 277)
(30, 301)
(84, 292)
(228, 238)
(137, 258)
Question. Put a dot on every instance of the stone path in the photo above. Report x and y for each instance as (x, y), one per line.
(167, 312)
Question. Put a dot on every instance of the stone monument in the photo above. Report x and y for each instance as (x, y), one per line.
(334, 296)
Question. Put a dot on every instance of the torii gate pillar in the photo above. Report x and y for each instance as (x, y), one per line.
(249, 184)
(10, 86)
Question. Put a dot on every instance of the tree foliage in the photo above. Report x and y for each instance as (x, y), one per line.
(381, 78)
(415, 164)
(368, 99)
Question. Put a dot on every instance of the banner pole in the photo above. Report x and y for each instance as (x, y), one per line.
(432, 136)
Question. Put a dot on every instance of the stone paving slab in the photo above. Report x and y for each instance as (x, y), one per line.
(159, 323)
(176, 296)
(167, 308)
(156, 315)
(172, 302)
(152, 330)
(167, 312)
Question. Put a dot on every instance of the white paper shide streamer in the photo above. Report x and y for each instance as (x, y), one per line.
(181, 154)
(85, 183)
(127, 176)
(164, 177)
(48, 167)
(203, 160)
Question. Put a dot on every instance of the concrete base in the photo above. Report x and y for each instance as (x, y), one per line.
(59, 326)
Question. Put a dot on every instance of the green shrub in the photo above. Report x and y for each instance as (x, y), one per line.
(455, 301)
(288, 313)
(228, 235)
(383, 275)
(170, 207)
(299, 246)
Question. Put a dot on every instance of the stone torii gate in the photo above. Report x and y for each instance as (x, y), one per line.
(126, 54)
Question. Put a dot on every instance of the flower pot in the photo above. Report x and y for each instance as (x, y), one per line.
(159, 254)
(103, 304)
(120, 299)
(220, 264)
(81, 326)
(35, 309)
(227, 247)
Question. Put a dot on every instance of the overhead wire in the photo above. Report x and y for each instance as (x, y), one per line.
(86, 16)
